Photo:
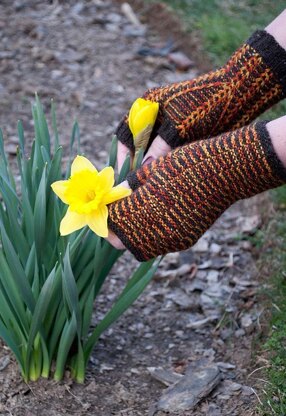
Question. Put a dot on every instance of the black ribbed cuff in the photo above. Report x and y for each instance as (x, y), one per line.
(272, 53)
(169, 133)
(124, 135)
(133, 181)
(275, 163)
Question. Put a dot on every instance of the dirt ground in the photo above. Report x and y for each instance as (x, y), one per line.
(201, 308)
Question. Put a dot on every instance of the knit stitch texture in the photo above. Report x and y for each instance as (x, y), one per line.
(252, 81)
(178, 197)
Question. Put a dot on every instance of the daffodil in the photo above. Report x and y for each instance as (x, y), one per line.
(88, 192)
(141, 120)
(143, 113)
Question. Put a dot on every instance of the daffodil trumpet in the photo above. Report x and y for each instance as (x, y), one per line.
(87, 193)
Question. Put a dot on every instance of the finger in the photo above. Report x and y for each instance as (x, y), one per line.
(114, 241)
(112, 238)
(122, 152)
(158, 148)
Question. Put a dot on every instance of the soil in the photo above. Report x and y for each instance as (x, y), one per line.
(88, 57)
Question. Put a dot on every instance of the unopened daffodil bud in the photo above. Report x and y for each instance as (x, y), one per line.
(142, 117)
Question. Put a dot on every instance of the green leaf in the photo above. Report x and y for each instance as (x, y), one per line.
(70, 291)
(11, 315)
(8, 338)
(17, 270)
(21, 136)
(66, 341)
(120, 306)
(39, 314)
(43, 127)
(113, 152)
(87, 311)
(40, 216)
(55, 126)
(124, 170)
(75, 136)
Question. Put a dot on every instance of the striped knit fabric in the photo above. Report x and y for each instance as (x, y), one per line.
(251, 81)
(186, 191)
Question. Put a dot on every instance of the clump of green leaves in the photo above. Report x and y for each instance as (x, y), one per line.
(48, 283)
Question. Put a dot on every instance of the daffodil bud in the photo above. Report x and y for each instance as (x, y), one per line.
(142, 117)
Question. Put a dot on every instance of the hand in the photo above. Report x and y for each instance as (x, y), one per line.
(158, 148)
(252, 80)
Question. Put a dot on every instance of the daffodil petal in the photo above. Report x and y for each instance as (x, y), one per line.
(81, 163)
(97, 221)
(134, 110)
(59, 189)
(118, 192)
(106, 178)
(71, 222)
(147, 116)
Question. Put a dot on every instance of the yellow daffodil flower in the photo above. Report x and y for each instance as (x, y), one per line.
(88, 192)
(143, 113)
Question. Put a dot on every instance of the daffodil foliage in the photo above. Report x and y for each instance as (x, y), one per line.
(49, 281)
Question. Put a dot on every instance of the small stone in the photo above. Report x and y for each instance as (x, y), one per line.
(166, 377)
(212, 276)
(247, 323)
(201, 246)
(200, 323)
(239, 333)
(225, 366)
(215, 248)
(213, 410)
(4, 361)
(180, 60)
(190, 389)
(105, 367)
(247, 391)
(223, 396)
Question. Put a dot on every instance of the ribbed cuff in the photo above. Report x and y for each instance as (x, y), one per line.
(169, 133)
(124, 135)
(275, 163)
(272, 53)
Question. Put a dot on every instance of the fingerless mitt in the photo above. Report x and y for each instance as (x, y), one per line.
(178, 197)
(252, 81)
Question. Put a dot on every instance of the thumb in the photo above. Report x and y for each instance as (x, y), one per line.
(158, 148)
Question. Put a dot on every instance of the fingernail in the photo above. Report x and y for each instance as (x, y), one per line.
(148, 160)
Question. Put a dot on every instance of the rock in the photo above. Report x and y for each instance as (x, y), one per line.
(249, 224)
(184, 269)
(225, 366)
(239, 333)
(215, 248)
(201, 246)
(131, 31)
(212, 276)
(4, 361)
(180, 60)
(180, 298)
(213, 410)
(166, 377)
(247, 323)
(190, 389)
(200, 323)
